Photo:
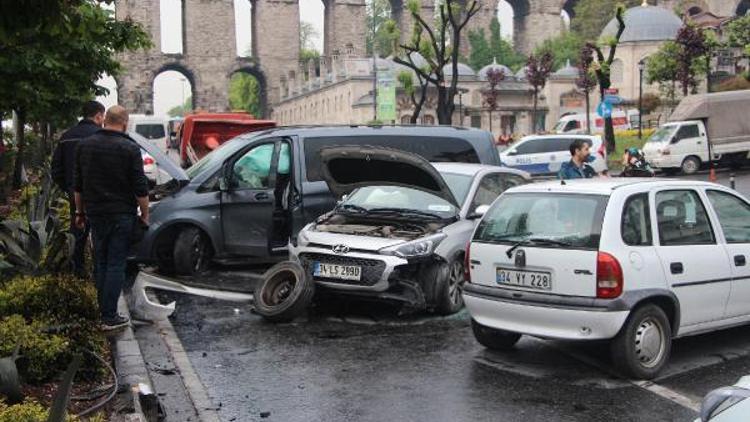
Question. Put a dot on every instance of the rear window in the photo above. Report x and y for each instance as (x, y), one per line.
(432, 149)
(150, 131)
(573, 219)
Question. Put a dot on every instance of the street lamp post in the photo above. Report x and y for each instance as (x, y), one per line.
(641, 65)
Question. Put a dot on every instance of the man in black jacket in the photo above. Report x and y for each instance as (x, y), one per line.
(63, 163)
(109, 186)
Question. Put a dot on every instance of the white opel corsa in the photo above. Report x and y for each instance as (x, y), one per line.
(637, 261)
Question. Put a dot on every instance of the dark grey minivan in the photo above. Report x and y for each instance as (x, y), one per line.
(246, 200)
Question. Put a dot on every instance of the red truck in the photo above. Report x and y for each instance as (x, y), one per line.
(201, 133)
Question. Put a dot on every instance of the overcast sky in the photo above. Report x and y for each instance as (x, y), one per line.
(170, 87)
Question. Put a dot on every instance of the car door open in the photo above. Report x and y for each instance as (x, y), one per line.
(248, 198)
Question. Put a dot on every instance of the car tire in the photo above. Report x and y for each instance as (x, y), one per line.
(492, 338)
(192, 252)
(690, 165)
(284, 293)
(449, 287)
(642, 347)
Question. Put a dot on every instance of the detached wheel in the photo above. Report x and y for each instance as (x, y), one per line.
(492, 338)
(642, 347)
(285, 292)
(450, 286)
(192, 252)
(691, 165)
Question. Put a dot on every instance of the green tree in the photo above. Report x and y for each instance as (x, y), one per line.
(244, 94)
(602, 70)
(591, 16)
(50, 67)
(480, 54)
(502, 49)
(738, 36)
(538, 69)
(307, 35)
(181, 110)
(661, 69)
(566, 47)
(439, 46)
(378, 33)
(406, 81)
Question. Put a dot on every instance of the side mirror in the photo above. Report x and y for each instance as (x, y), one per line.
(478, 212)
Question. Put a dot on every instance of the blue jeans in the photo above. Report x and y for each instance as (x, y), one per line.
(111, 234)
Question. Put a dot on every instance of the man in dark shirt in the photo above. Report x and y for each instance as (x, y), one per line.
(63, 166)
(109, 186)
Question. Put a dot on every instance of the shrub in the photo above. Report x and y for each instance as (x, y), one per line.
(67, 307)
(28, 411)
(42, 354)
(60, 298)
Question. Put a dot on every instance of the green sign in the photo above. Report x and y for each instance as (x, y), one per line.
(386, 95)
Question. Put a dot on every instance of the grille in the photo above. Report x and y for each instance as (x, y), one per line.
(372, 269)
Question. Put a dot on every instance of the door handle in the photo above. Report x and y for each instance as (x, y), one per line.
(676, 267)
(261, 196)
(739, 260)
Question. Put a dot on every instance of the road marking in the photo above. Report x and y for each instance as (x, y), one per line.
(669, 394)
(683, 400)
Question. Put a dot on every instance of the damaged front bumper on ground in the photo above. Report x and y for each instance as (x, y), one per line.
(384, 277)
(144, 307)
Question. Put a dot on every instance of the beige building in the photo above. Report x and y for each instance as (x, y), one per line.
(344, 96)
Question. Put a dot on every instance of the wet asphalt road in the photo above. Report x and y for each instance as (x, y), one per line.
(362, 363)
(366, 364)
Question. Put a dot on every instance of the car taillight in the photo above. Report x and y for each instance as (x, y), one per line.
(148, 161)
(467, 264)
(608, 276)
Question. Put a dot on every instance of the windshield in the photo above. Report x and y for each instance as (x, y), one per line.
(662, 134)
(384, 199)
(559, 126)
(570, 218)
(459, 185)
(214, 157)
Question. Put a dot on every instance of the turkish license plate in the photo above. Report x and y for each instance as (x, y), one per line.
(341, 272)
(532, 279)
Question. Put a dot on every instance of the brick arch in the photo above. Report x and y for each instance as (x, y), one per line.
(176, 66)
(743, 8)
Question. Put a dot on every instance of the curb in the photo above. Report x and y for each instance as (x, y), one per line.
(196, 391)
(131, 371)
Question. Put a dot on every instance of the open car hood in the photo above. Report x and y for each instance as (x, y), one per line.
(162, 161)
(346, 168)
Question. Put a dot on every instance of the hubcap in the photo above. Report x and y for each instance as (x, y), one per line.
(279, 289)
(456, 281)
(650, 342)
(690, 166)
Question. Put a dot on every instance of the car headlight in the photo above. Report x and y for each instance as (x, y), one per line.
(416, 248)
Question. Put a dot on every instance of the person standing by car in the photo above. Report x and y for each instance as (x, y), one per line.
(63, 166)
(578, 167)
(109, 184)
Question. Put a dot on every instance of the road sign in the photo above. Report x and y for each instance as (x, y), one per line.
(604, 109)
(613, 99)
(386, 95)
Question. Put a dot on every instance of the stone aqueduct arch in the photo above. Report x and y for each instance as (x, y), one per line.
(209, 56)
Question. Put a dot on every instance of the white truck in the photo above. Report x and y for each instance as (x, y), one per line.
(717, 122)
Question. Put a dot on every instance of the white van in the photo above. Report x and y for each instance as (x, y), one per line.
(153, 128)
(576, 123)
(542, 155)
